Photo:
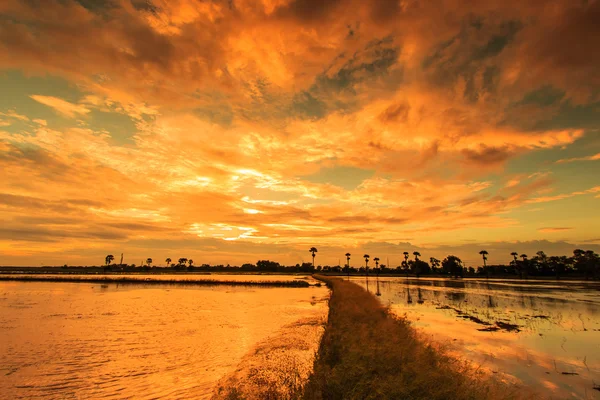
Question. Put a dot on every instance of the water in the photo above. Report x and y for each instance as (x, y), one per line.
(541, 334)
(85, 340)
(182, 277)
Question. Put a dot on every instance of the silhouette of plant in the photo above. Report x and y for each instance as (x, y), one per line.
(348, 263)
(168, 261)
(417, 255)
(313, 250)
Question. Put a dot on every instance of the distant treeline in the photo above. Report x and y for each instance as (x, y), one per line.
(580, 264)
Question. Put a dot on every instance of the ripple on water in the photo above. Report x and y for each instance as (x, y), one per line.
(135, 342)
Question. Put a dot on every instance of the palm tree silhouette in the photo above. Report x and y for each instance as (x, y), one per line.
(108, 259)
(484, 254)
(182, 261)
(376, 259)
(190, 262)
(168, 261)
(348, 264)
(313, 250)
(148, 261)
(514, 254)
(417, 255)
(517, 266)
(524, 257)
(366, 256)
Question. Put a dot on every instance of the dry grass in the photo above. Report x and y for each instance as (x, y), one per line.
(368, 353)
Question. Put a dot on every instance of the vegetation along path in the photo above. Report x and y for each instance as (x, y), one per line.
(368, 353)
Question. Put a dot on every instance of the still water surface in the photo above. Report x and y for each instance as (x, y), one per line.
(85, 340)
(541, 334)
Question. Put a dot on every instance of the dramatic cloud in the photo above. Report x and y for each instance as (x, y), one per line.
(235, 130)
(63, 107)
(587, 158)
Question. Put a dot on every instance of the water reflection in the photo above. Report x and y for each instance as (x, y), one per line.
(542, 334)
(85, 340)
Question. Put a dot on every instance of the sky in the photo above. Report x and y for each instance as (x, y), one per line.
(233, 131)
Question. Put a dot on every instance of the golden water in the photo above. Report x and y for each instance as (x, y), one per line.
(556, 350)
(85, 340)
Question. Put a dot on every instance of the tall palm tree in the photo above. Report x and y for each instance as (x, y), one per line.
(514, 254)
(190, 262)
(516, 262)
(376, 259)
(417, 255)
(524, 257)
(148, 261)
(168, 261)
(313, 250)
(348, 264)
(484, 254)
(366, 256)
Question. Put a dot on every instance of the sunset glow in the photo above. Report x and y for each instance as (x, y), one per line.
(236, 131)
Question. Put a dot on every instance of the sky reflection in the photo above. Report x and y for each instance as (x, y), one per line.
(543, 335)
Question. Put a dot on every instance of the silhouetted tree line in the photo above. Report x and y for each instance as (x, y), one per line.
(582, 264)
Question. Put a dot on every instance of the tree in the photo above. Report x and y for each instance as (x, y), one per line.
(484, 254)
(168, 261)
(420, 267)
(376, 259)
(452, 265)
(182, 261)
(516, 262)
(313, 250)
(435, 263)
(348, 263)
(417, 255)
(366, 256)
(108, 259)
(190, 262)
(148, 261)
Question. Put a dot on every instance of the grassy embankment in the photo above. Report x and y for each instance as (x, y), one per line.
(298, 283)
(368, 353)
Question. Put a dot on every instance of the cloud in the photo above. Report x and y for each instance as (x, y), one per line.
(61, 106)
(587, 158)
(553, 229)
(238, 108)
(562, 196)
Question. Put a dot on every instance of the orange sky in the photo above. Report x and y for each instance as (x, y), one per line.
(232, 131)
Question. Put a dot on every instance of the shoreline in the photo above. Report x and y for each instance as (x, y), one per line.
(367, 352)
(135, 281)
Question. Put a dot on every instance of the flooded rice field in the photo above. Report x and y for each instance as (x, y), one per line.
(544, 335)
(86, 340)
